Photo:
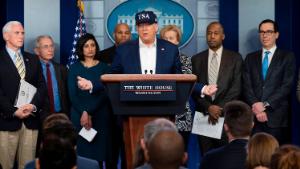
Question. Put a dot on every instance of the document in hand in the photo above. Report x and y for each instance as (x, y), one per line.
(202, 127)
(26, 93)
(89, 135)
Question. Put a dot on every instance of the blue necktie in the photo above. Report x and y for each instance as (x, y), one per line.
(265, 64)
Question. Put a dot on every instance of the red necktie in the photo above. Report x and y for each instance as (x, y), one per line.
(50, 89)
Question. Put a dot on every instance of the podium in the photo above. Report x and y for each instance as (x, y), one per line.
(141, 98)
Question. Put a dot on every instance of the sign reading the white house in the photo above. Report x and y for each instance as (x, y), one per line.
(148, 91)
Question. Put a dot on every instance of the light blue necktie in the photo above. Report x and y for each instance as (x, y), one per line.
(265, 64)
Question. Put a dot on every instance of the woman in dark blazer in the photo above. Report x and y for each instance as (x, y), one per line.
(90, 109)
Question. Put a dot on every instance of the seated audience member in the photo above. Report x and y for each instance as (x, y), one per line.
(60, 126)
(56, 153)
(150, 129)
(286, 157)
(260, 148)
(237, 125)
(166, 150)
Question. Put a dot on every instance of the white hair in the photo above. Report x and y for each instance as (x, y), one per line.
(7, 26)
(39, 38)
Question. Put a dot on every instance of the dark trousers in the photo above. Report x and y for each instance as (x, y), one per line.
(282, 134)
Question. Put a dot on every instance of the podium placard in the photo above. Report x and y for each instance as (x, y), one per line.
(136, 113)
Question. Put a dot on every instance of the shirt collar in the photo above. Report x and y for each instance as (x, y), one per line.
(143, 45)
(219, 52)
(12, 52)
(272, 50)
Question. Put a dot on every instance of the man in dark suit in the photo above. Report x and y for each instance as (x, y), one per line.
(121, 34)
(268, 77)
(147, 54)
(18, 125)
(222, 67)
(237, 125)
(57, 75)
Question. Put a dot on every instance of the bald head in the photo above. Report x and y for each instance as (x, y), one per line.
(166, 150)
(122, 33)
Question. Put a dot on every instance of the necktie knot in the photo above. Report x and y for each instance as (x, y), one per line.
(47, 65)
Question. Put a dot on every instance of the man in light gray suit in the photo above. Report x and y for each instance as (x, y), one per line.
(222, 67)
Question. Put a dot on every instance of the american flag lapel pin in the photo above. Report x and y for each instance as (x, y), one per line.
(162, 49)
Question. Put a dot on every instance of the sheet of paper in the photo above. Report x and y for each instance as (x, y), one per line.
(89, 135)
(25, 94)
(202, 127)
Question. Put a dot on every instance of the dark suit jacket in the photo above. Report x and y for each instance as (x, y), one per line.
(107, 55)
(230, 156)
(82, 163)
(127, 58)
(229, 78)
(275, 89)
(61, 77)
(9, 86)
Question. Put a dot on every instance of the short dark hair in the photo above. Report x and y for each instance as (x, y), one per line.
(80, 43)
(275, 25)
(61, 126)
(238, 118)
(57, 153)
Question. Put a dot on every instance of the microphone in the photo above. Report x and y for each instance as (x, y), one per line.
(151, 71)
(145, 71)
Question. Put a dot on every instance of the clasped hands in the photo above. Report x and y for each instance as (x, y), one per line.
(24, 111)
(86, 120)
(259, 111)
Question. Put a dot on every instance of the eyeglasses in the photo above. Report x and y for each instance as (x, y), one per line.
(268, 32)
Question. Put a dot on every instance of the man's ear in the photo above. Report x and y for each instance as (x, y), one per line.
(143, 144)
(5, 36)
(36, 51)
(226, 128)
(37, 164)
(184, 158)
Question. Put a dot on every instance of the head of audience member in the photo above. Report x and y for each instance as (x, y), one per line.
(238, 121)
(146, 26)
(150, 129)
(215, 35)
(59, 124)
(268, 33)
(44, 48)
(122, 33)
(87, 47)
(57, 153)
(171, 33)
(13, 35)
(286, 157)
(260, 148)
(166, 150)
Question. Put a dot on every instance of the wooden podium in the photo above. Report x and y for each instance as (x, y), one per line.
(136, 113)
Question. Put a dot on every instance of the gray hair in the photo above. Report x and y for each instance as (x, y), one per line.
(38, 39)
(7, 26)
(160, 124)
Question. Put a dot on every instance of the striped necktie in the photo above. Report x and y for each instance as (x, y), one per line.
(20, 66)
(213, 70)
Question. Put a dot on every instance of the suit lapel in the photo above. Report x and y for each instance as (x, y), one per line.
(11, 64)
(26, 62)
(225, 61)
(159, 54)
(136, 57)
(274, 60)
(258, 63)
